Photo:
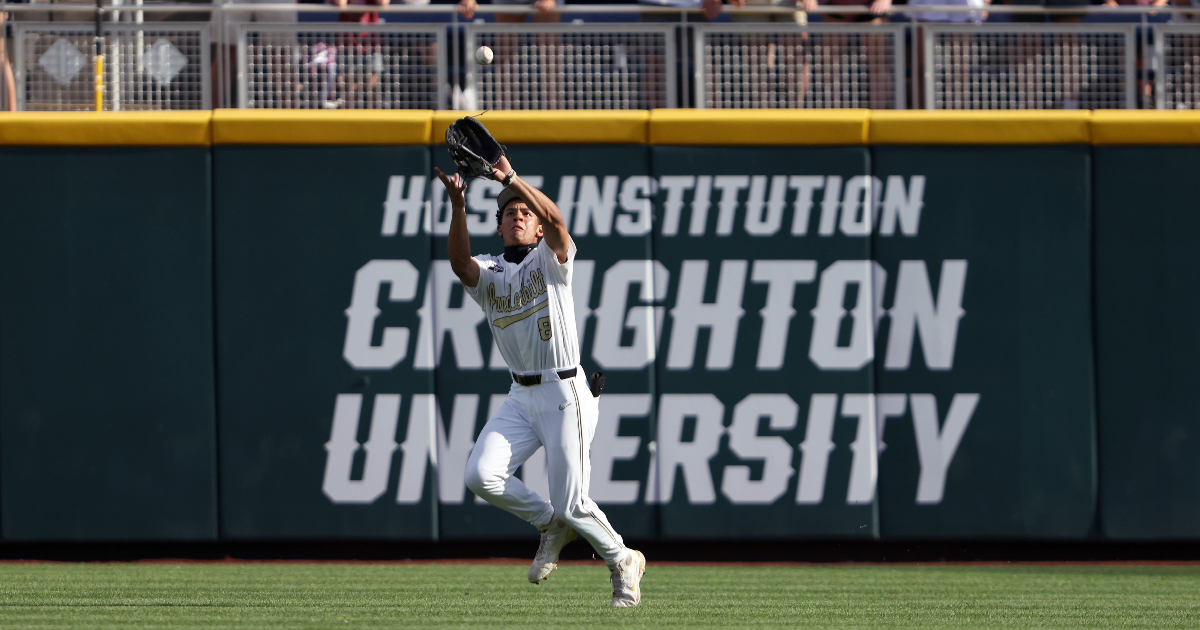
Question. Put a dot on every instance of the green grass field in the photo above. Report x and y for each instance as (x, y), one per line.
(495, 596)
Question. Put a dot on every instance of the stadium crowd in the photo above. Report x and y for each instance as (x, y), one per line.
(546, 11)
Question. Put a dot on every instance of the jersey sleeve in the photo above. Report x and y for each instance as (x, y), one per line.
(560, 272)
(485, 276)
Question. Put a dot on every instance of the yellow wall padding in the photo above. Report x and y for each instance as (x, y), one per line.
(660, 126)
(576, 126)
(758, 127)
(312, 126)
(980, 127)
(105, 128)
(1125, 126)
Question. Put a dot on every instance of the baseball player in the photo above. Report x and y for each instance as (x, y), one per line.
(526, 295)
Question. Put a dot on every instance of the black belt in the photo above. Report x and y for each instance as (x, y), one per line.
(536, 379)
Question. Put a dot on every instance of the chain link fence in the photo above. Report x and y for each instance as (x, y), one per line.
(341, 66)
(571, 66)
(1177, 59)
(276, 62)
(789, 66)
(145, 67)
(1029, 66)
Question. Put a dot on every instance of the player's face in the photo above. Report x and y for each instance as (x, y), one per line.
(519, 225)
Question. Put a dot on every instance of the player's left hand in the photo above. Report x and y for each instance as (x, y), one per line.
(455, 187)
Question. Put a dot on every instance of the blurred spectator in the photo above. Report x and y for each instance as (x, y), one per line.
(712, 8)
(366, 17)
(1140, 3)
(1049, 4)
(947, 16)
(872, 45)
(8, 87)
(547, 10)
(366, 46)
(1145, 86)
(957, 81)
(800, 17)
(878, 14)
(1186, 17)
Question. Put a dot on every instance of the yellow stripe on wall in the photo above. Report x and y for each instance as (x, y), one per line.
(848, 127)
(106, 128)
(314, 126)
(979, 127)
(1124, 126)
(759, 127)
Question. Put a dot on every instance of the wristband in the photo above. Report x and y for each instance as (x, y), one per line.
(508, 179)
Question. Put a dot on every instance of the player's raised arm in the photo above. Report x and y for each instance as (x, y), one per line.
(554, 228)
(461, 262)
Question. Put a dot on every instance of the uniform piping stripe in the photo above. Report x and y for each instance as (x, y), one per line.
(582, 490)
(505, 322)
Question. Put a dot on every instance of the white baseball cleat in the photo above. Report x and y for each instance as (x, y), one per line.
(627, 579)
(555, 536)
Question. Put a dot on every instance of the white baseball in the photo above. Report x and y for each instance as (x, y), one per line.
(483, 55)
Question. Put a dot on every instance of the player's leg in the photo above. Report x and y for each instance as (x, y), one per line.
(505, 442)
(566, 421)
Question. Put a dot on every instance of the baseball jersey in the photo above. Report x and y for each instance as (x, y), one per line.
(530, 309)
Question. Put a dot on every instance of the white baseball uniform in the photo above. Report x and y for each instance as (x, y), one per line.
(532, 315)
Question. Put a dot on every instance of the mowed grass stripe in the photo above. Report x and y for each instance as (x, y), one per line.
(576, 596)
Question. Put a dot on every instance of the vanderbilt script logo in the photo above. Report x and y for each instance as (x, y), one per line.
(519, 300)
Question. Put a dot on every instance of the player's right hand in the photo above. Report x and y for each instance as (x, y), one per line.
(455, 187)
(501, 169)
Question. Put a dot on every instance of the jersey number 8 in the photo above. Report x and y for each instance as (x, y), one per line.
(544, 328)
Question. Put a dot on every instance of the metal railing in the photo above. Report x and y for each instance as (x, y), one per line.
(816, 66)
(164, 66)
(1177, 65)
(281, 63)
(571, 66)
(341, 66)
(1029, 66)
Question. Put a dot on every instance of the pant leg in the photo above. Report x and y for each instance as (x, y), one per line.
(565, 415)
(505, 442)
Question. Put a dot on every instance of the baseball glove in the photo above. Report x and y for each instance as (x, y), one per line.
(474, 150)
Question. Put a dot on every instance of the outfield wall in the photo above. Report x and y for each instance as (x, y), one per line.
(832, 324)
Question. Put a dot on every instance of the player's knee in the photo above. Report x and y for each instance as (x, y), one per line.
(483, 482)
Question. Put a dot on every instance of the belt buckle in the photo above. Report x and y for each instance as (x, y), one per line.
(526, 380)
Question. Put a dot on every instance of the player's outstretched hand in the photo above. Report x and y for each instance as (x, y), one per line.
(455, 186)
(501, 169)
